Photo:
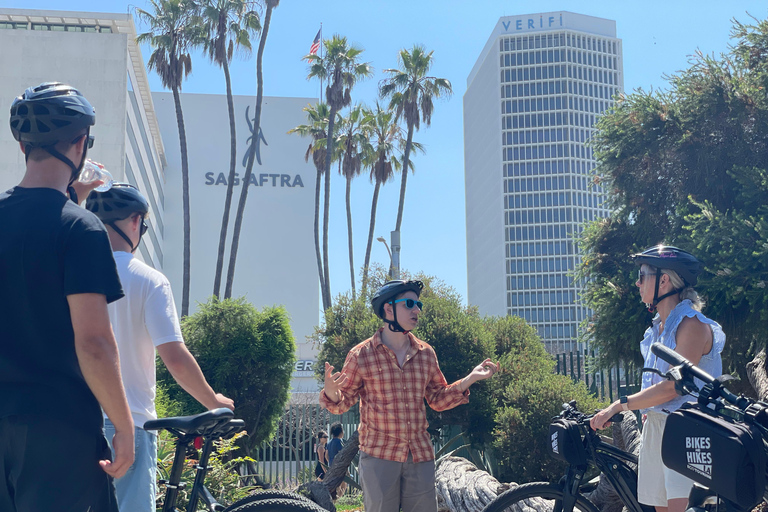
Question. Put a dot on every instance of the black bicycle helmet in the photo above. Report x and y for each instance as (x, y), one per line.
(671, 258)
(118, 203)
(50, 113)
(665, 256)
(387, 293)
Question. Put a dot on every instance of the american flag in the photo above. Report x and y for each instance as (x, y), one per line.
(315, 44)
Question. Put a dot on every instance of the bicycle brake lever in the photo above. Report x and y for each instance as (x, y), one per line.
(654, 370)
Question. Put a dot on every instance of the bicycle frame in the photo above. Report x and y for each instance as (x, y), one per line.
(199, 491)
(614, 464)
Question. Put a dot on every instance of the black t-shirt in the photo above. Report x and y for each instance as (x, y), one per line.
(49, 248)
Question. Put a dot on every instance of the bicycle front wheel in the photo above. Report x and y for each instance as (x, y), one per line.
(536, 497)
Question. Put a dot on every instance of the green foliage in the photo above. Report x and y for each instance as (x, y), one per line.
(245, 354)
(686, 167)
(529, 395)
(222, 478)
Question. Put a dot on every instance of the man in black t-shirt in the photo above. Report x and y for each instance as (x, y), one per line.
(58, 356)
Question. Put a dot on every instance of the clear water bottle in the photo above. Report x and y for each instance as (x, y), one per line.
(93, 171)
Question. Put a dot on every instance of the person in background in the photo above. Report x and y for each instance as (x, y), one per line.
(322, 454)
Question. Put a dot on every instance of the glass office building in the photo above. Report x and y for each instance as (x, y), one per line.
(532, 102)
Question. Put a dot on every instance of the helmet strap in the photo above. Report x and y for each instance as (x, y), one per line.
(75, 169)
(125, 237)
(392, 324)
(656, 298)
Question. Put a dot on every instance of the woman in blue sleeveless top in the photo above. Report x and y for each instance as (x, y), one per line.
(666, 279)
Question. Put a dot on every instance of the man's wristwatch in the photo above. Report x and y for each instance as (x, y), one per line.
(624, 403)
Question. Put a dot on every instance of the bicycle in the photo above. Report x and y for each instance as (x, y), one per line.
(211, 426)
(718, 441)
(574, 441)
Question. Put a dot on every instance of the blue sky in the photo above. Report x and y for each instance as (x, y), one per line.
(659, 37)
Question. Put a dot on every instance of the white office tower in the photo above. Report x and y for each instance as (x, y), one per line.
(532, 101)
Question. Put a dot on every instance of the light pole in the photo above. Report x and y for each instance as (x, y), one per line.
(395, 239)
(382, 240)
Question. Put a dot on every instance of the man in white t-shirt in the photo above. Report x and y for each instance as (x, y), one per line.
(143, 321)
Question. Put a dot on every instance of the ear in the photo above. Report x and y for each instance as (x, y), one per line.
(388, 309)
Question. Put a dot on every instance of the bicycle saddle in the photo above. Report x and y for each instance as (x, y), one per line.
(199, 424)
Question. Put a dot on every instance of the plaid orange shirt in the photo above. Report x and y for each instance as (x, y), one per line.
(393, 419)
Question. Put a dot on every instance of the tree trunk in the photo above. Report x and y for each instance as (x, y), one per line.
(327, 203)
(371, 228)
(320, 492)
(462, 487)
(230, 183)
(757, 375)
(252, 156)
(185, 202)
(349, 236)
(406, 164)
(318, 184)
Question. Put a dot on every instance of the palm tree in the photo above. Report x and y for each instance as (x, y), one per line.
(341, 68)
(411, 93)
(174, 29)
(229, 25)
(386, 138)
(270, 4)
(317, 129)
(353, 144)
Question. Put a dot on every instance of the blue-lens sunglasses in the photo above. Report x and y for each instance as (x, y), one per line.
(409, 303)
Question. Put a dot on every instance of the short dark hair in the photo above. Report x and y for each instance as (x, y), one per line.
(321, 435)
(336, 430)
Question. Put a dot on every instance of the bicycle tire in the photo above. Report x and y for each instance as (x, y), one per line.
(519, 499)
(280, 505)
(267, 494)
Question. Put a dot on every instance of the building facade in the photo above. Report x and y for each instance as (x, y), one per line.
(532, 101)
(98, 54)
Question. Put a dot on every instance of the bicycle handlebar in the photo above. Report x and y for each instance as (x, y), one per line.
(675, 359)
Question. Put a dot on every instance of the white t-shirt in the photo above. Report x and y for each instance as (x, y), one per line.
(142, 320)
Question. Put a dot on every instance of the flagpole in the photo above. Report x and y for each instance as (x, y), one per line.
(321, 56)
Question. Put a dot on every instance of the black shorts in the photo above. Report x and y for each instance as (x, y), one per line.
(48, 464)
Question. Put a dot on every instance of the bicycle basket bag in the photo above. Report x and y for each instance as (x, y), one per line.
(566, 443)
(726, 456)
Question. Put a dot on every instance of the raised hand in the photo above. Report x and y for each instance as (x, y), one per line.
(334, 382)
(485, 370)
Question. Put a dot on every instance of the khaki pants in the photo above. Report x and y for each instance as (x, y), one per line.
(389, 485)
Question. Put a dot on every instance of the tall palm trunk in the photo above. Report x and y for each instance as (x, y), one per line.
(349, 236)
(251, 156)
(328, 156)
(185, 202)
(230, 183)
(371, 228)
(318, 184)
(406, 164)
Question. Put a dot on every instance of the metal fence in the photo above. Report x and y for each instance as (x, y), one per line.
(610, 383)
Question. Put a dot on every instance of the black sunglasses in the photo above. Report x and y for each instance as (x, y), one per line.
(641, 275)
(89, 141)
(409, 303)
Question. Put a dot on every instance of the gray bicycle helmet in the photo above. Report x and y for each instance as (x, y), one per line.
(50, 113)
(387, 293)
(118, 203)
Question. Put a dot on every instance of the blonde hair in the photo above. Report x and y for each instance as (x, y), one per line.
(686, 292)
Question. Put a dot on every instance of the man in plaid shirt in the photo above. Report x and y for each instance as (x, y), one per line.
(392, 373)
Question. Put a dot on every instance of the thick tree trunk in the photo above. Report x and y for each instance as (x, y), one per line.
(757, 375)
(230, 183)
(462, 487)
(185, 203)
(320, 492)
(371, 228)
(252, 156)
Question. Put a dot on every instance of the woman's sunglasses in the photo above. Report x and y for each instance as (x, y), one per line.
(409, 303)
(641, 275)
